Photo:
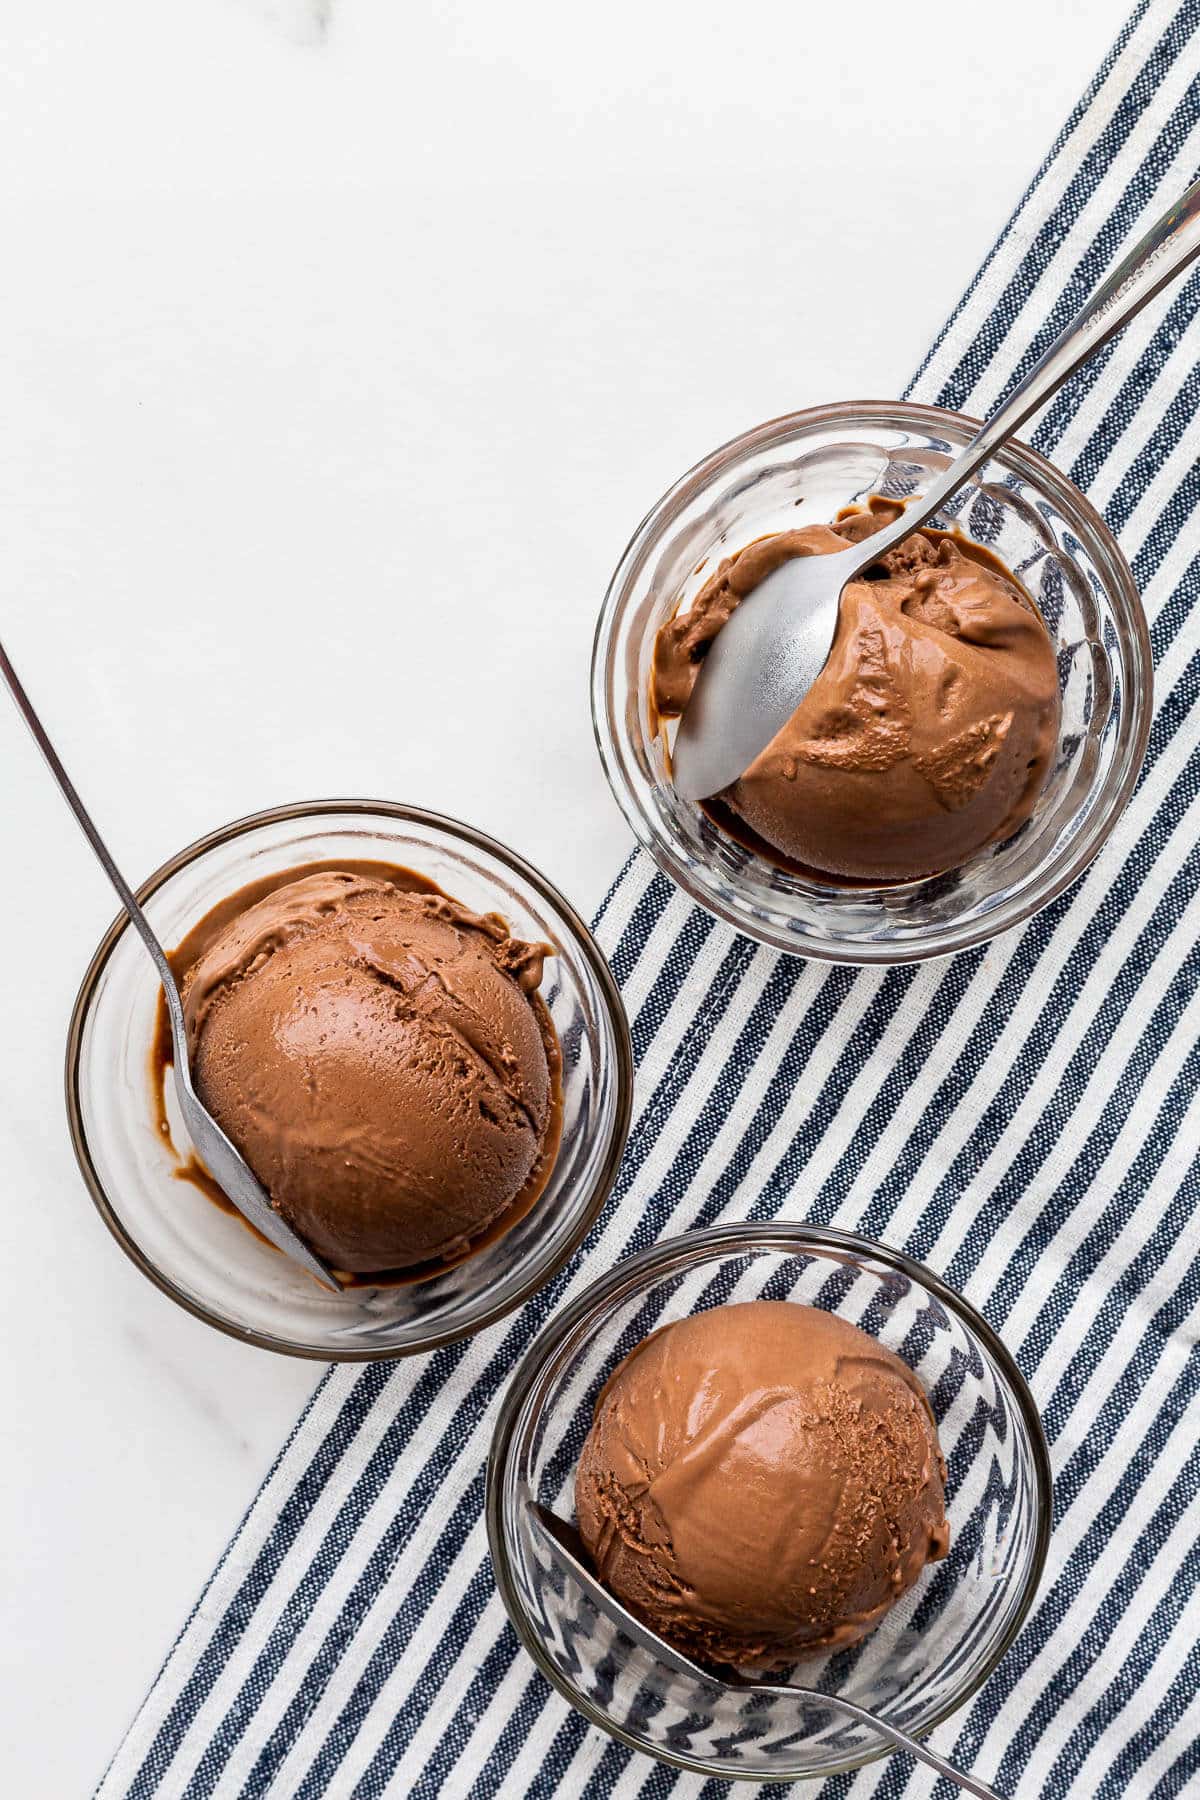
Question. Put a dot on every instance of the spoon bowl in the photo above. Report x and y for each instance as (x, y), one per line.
(759, 665)
(225, 1162)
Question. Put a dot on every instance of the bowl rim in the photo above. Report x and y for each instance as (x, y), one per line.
(635, 1272)
(480, 840)
(1123, 595)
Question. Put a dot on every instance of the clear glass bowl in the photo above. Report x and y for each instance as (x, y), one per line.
(206, 1259)
(800, 470)
(938, 1644)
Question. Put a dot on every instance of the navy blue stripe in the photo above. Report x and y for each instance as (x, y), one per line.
(1119, 1594)
(1178, 1503)
(1060, 143)
(659, 1782)
(557, 1757)
(1126, 402)
(1030, 1059)
(600, 1782)
(1019, 972)
(1049, 237)
(1119, 1407)
(829, 993)
(1141, 191)
(1177, 608)
(677, 966)
(1179, 417)
(546, 1783)
(614, 889)
(642, 920)
(476, 1694)
(1105, 1232)
(1112, 1420)
(1066, 1094)
(320, 1572)
(1180, 1778)
(900, 1080)
(512, 1738)
(353, 1715)
(1161, 1243)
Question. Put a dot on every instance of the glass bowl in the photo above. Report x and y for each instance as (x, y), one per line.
(206, 1259)
(936, 1646)
(800, 470)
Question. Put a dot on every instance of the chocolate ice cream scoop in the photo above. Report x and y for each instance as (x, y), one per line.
(761, 1481)
(928, 733)
(384, 1063)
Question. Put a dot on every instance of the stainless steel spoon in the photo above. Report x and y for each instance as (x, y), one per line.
(224, 1163)
(569, 1547)
(765, 659)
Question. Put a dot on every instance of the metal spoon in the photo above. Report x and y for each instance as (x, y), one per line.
(225, 1164)
(765, 659)
(569, 1547)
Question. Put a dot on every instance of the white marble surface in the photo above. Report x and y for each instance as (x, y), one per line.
(342, 345)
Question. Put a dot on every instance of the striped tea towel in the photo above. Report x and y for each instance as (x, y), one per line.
(1023, 1117)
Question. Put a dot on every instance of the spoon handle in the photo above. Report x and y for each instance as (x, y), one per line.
(86, 824)
(223, 1159)
(1166, 249)
(912, 1745)
(568, 1545)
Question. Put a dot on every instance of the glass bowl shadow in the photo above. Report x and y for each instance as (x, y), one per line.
(799, 470)
(936, 1646)
(206, 1259)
